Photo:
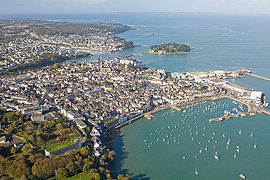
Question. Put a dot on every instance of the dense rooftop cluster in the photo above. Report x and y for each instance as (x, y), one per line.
(26, 42)
(97, 91)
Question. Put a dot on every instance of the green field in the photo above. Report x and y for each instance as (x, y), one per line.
(54, 147)
(109, 120)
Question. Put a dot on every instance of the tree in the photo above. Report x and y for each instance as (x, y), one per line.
(13, 150)
(43, 168)
(72, 168)
(61, 173)
(25, 149)
(93, 174)
(84, 151)
(18, 168)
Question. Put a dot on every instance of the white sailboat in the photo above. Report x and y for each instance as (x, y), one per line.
(184, 157)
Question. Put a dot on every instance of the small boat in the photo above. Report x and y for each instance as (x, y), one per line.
(234, 155)
(196, 172)
(240, 132)
(216, 157)
(255, 146)
(184, 157)
(242, 176)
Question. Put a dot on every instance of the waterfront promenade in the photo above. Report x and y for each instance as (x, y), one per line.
(251, 108)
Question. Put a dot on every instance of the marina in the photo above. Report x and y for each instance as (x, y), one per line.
(187, 133)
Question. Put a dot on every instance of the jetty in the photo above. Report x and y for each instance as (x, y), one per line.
(176, 108)
(264, 111)
(257, 76)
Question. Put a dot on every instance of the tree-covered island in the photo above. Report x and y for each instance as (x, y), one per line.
(170, 48)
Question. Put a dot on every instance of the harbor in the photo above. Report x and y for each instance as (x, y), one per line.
(198, 140)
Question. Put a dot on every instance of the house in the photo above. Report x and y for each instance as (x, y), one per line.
(38, 117)
(80, 124)
(3, 139)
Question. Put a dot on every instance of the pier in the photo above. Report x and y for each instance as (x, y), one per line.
(257, 76)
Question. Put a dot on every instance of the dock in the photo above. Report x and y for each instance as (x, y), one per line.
(148, 116)
(226, 117)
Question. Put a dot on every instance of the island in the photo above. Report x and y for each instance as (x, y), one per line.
(170, 48)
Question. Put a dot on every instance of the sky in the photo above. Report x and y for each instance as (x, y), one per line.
(248, 7)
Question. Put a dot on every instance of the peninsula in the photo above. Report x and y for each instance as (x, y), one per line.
(32, 44)
(170, 48)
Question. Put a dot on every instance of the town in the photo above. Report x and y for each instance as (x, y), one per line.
(112, 92)
(25, 43)
(88, 101)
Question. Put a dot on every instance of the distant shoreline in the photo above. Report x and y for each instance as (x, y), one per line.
(168, 53)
